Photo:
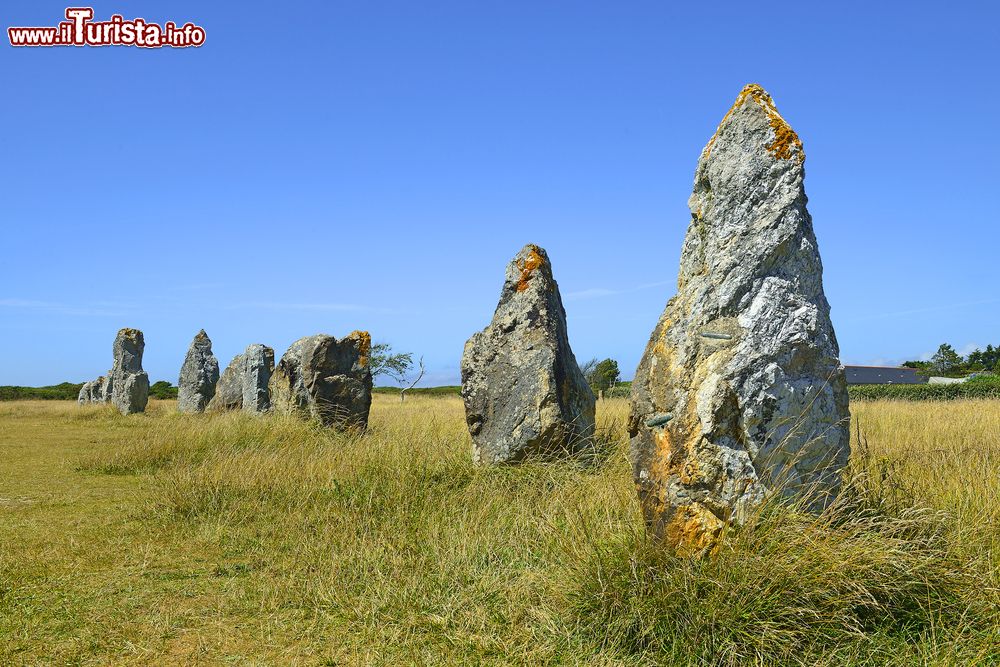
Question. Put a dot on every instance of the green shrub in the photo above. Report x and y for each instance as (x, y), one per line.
(162, 390)
(987, 386)
(65, 391)
(447, 390)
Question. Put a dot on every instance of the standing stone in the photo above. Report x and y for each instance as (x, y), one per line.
(258, 365)
(229, 389)
(86, 391)
(525, 396)
(103, 390)
(740, 393)
(92, 392)
(244, 382)
(199, 375)
(129, 383)
(327, 379)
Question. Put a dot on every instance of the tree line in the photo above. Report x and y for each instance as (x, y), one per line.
(949, 363)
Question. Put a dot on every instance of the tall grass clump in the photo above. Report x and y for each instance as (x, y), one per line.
(861, 583)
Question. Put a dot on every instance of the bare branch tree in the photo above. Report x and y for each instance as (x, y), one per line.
(403, 390)
(397, 365)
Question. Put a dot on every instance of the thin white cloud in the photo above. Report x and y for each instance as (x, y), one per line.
(876, 361)
(590, 293)
(968, 348)
(313, 307)
(195, 287)
(98, 309)
(922, 311)
(598, 292)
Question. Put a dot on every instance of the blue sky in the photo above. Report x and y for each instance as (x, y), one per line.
(342, 165)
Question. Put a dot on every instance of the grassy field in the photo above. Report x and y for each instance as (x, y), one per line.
(230, 539)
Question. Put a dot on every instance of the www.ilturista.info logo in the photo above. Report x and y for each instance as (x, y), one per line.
(81, 30)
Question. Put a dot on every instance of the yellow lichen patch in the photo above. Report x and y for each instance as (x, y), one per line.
(693, 530)
(659, 466)
(364, 345)
(527, 266)
(680, 450)
(785, 138)
(691, 473)
(663, 367)
(690, 426)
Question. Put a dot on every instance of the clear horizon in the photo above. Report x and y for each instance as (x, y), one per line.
(336, 167)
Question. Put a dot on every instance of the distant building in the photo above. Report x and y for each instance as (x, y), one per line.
(941, 380)
(882, 375)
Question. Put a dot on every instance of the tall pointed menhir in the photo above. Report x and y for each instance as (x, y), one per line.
(739, 393)
(199, 375)
(525, 396)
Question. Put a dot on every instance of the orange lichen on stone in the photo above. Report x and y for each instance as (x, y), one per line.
(785, 138)
(691, 473)
(694, 531)
(691, 529)
(364, 345)
(527, 266)
(660, 466)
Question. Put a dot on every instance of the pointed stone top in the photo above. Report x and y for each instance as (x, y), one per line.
(784, 143)
(364, 343)
(201, 341)
(530, 267)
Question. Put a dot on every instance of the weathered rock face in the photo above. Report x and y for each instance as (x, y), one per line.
(244, 383)
(104, 388)
(525, 396)
(229, 388)
(199, 375)
(739, 393)
(129, 383)
(86, 392)
(327, 379)
(94, 392)
(258, 365)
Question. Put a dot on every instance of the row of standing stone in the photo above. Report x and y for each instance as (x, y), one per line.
(739, 394)
(318, 376)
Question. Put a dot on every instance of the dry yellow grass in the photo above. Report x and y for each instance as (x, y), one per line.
(234, 539)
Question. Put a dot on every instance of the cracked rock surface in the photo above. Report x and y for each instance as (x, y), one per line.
(199, 375)
(524, 394)
(244, 384)
(129, 383)
(739, 393)
(326, 379)
(95, 391)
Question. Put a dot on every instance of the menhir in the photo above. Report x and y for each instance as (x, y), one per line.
(525, 396)
(739, 394)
